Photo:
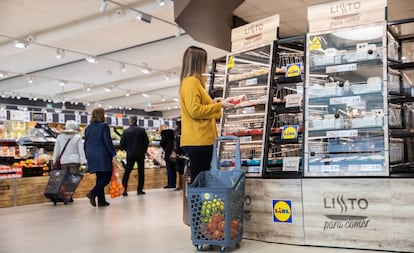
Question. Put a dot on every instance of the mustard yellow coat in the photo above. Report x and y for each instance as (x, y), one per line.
(198, 114)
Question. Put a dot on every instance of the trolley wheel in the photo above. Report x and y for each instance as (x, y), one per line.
(54, 203)
(65, 202)
(199, 247)
(222, 249)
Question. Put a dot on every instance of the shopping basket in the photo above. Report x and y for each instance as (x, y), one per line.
(216, 203)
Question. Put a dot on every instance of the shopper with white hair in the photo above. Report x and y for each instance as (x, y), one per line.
(73, 155)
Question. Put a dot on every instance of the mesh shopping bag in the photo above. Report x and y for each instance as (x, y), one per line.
(115, 187)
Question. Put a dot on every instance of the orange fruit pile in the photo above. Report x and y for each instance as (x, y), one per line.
(116, 188)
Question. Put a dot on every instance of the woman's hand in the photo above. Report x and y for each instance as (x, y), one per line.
(226, 104)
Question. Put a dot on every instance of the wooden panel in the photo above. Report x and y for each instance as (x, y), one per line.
(283, 232)
(6, 192)
(30, 190)
(352, 213)
(340, 14)
(254, 212)
(402, 206)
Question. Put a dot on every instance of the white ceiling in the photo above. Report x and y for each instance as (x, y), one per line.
(116, 36)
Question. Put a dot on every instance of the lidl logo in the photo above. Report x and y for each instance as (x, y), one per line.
(290, 132)
(293, 70)
(282, 211)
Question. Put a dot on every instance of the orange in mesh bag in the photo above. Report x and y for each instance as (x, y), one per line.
(115, 187)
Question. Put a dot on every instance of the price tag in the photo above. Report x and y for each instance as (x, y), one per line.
(251, 81)
(291, 163)
(345, 133)
(341, 68)
(353, 100)
(293, 100)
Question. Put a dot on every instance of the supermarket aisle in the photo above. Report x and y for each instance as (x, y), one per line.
(151, 223)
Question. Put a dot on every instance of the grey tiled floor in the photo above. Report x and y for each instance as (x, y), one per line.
(151, 223)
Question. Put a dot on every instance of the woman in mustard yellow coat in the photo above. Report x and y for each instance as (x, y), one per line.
(198, 111)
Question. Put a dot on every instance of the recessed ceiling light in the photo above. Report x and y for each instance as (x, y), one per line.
(146, 95)
(123, 68)
(60, 53)
(21, 44)
(30, 79)
(161, 2)
(63, 83)
(91, 59)
(3, 74)
(144, 17)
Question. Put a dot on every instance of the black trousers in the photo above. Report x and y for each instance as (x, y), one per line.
(200, 159)
(102, 180)
(141, 174)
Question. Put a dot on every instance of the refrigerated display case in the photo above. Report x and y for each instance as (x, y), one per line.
(249, 78)
(346, 106)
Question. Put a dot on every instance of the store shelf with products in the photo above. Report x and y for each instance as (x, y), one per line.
(215, 83)
(346, 119)
(401, 96)
(284, 151)
(249, 77)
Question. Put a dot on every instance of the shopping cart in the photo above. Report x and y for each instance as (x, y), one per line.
(216, 203)
(61, 186)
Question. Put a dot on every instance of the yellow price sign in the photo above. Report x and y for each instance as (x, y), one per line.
(230, 64)
(315, 44)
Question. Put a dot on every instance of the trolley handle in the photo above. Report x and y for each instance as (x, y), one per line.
(214, 160)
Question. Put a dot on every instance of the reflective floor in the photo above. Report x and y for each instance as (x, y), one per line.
(145, 224)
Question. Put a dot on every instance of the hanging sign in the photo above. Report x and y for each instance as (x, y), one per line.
(49, 117)
(347, 13)
(61, 118)
(254, 34)
(78, 118)
(3, 114)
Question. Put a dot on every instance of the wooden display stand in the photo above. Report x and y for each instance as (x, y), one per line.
(29, 190)
(363, 213)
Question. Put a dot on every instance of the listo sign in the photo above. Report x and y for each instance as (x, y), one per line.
(342, 209)
(345, 13)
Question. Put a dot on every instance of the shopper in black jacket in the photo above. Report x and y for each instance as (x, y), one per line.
(134, 141)
(167, 144)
